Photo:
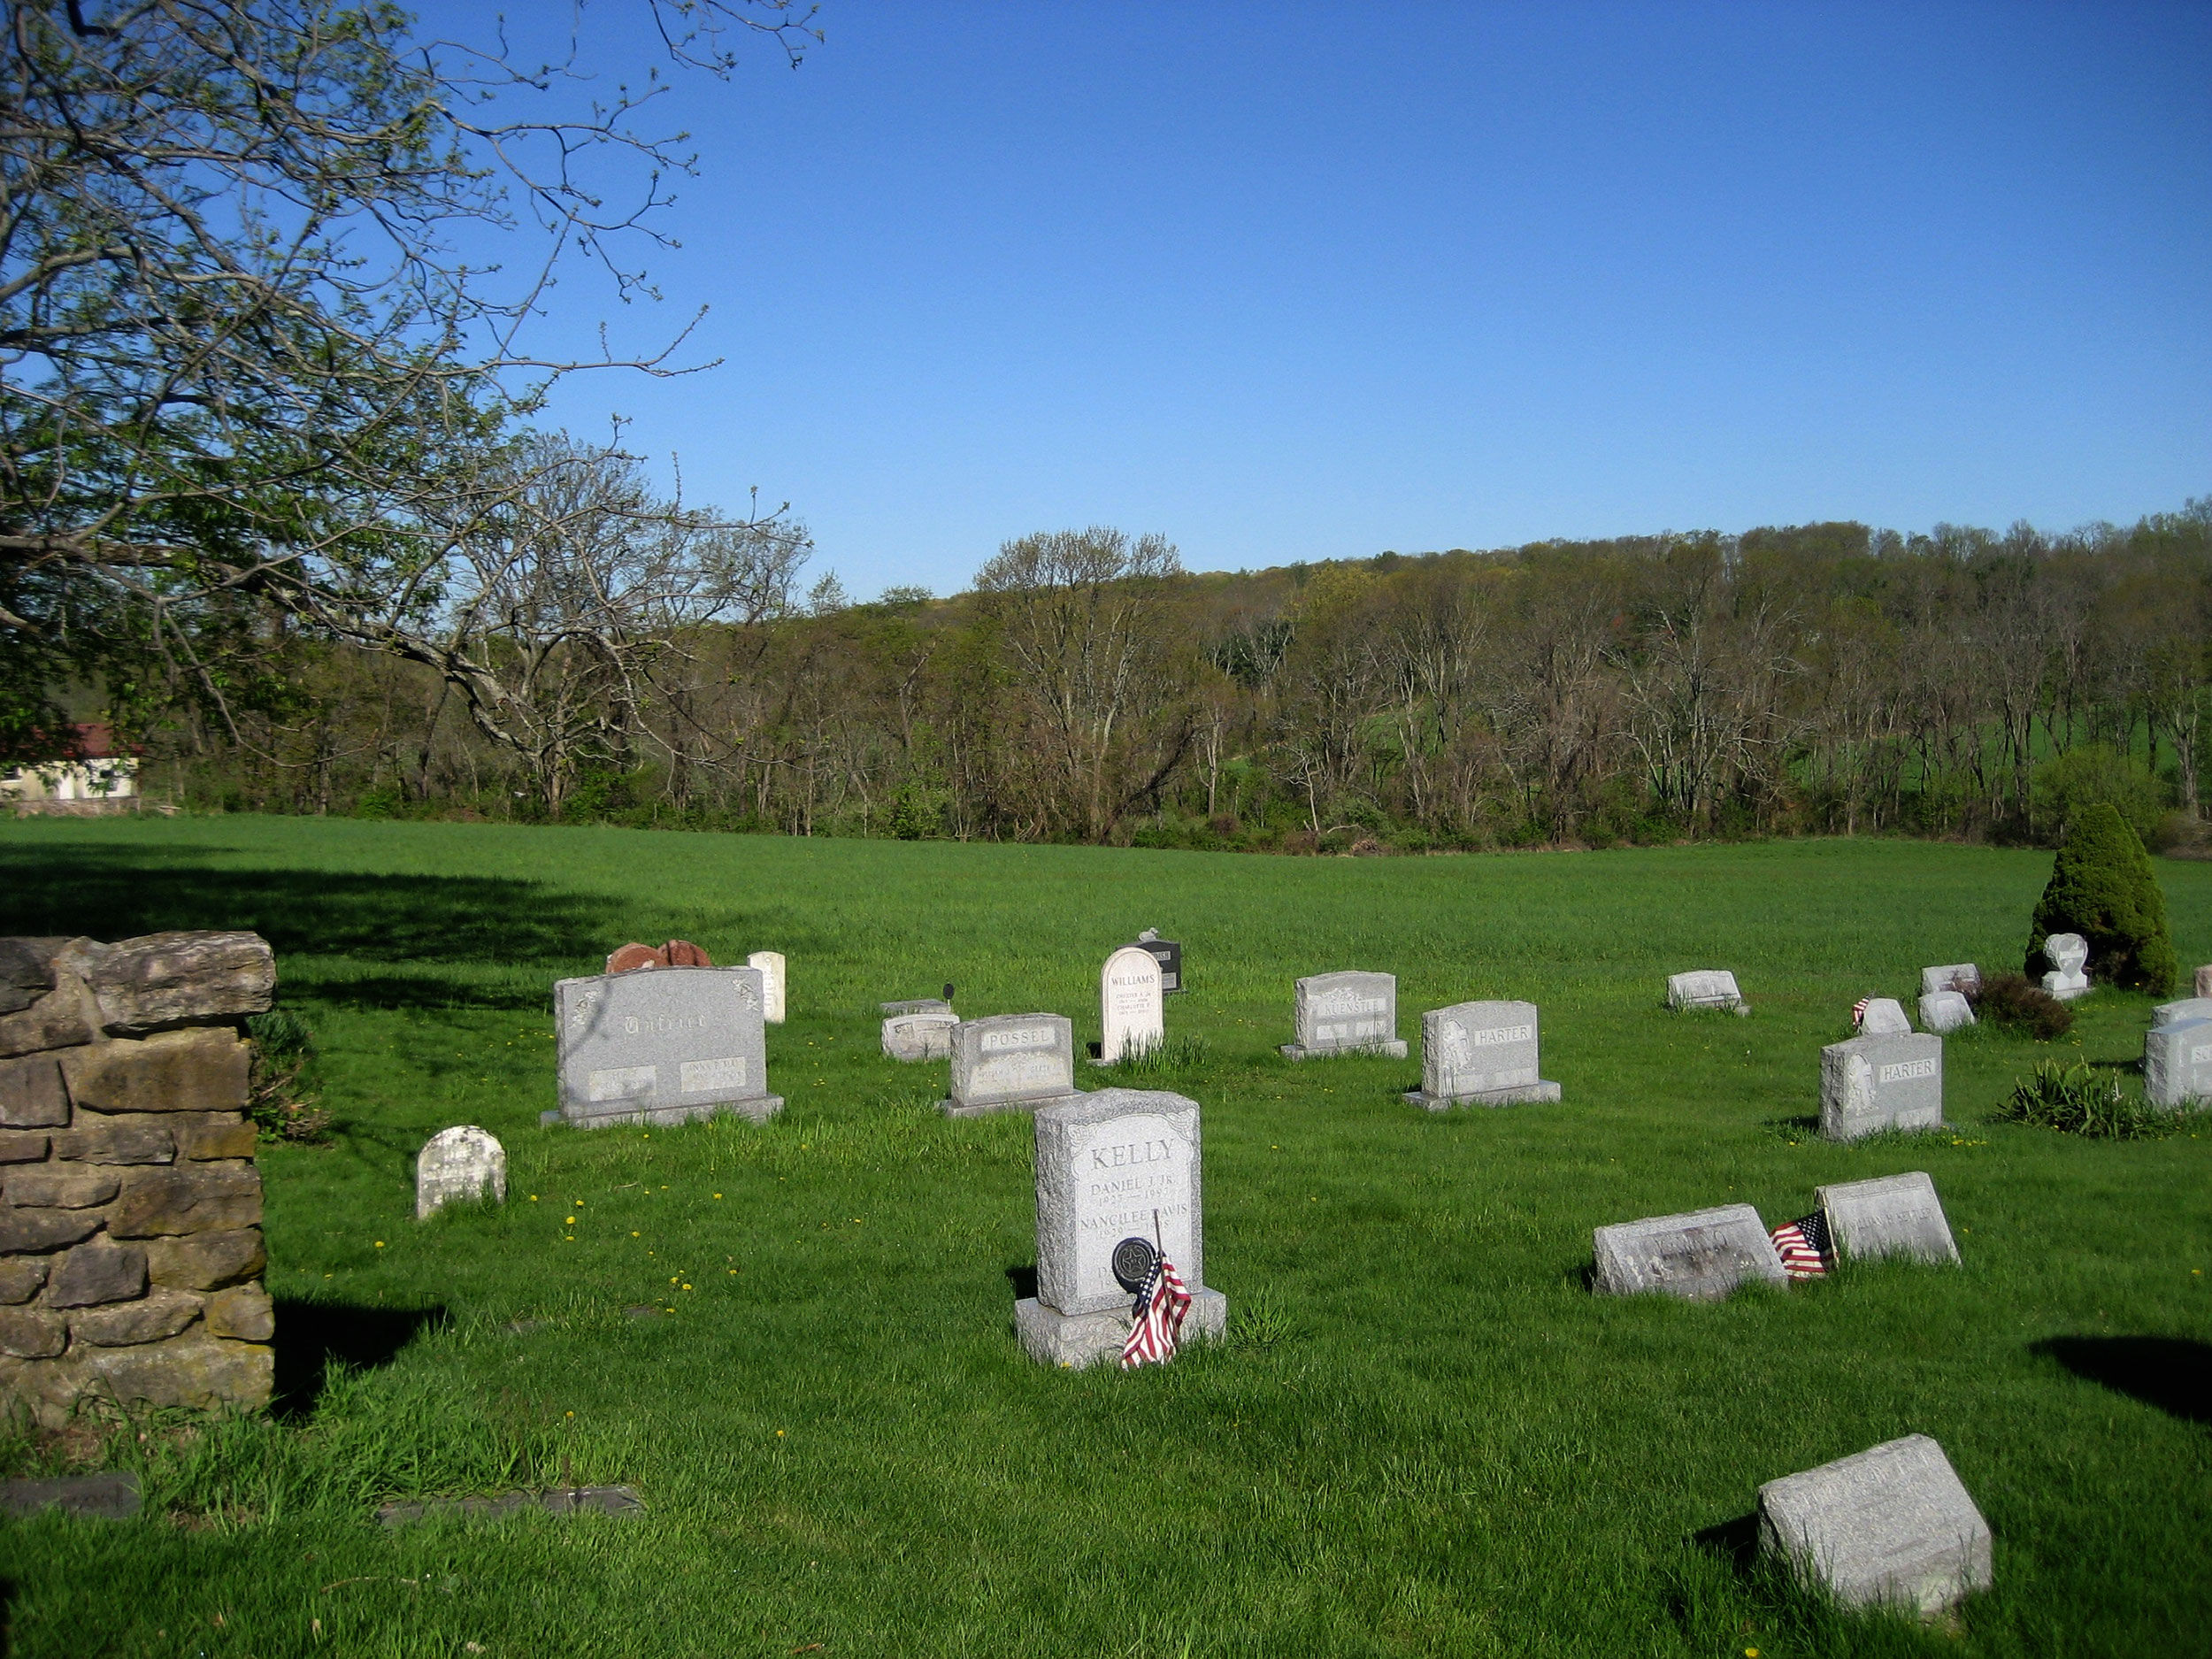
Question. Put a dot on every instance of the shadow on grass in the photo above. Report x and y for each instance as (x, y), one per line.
(1024, 1279)
(2171, 1373)
(1735, 1542)
(311, 1334)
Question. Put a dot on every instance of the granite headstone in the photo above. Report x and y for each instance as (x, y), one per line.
(2178, 1059)
(1891, 1214)
(662, 1047)
(1874, 1083)
(1168, 954)
(1346, 1013)
(1011, 1063)
(1944, 1012)
(1892, 1525)
(2068, 955)
(1951, 976)
(924, 1036)
(1706, 988)
(1701, 1256)
(1883, 1017)
(1480, 1053)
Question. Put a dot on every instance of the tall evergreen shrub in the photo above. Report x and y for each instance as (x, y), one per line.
(2103, 888)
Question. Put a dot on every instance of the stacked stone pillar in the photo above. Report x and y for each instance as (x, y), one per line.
(131, 1255)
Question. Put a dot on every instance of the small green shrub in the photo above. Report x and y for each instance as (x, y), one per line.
(2018, 1003)
(2080, 1101)
(278, 1099)
(2103, 888)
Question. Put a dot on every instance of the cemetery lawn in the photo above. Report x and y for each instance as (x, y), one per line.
(1424, 1436)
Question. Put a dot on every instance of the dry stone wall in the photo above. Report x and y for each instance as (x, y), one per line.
(131, 1257)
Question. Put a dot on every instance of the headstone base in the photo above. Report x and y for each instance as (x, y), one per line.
(962, 1109)
(2066, 987)
(1395, 1050)
(1539, 1093)
(1076, 1339)
(759, 1109)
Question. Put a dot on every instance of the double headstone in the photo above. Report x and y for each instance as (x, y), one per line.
(1883, 1017)
(2177, 1054)
(1875, 1083)
(465, 1164)
(1892, 1215)
(926, 1036)
(1702, 1256)
(2068, 955)
(1011, 1063)
(1117, 1184)
(1129, 1014)
(662, 1047)
(1348, 1012)
(1706, 988)
(771, 964)
(1891, 1527)
(1480, 1053)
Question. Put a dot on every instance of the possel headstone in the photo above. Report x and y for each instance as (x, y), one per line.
(1702, 1256)
(1954, 976)
(2178, 1060)
(1480, 1053)
(1893, 1526)
(1706, 988)
(1117, 1179)
(1875, 1083)
(1347, 1012)
(1944, 1012)
(662, 1047)
(1129, 1004)
(1011, 1063)
(771, 963)
(924, 1036)
(1883, 1017)
(1892, 1215)
(2068, 955)
(463, 1164)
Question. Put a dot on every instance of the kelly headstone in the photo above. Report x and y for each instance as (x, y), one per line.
(1706, 988)
(1875, 1083)
(771, 964)
(463, 1164)
(1129, 1011)
(2068, 955)
(662, 1047)
(2177, 1057)
(924, 1036)
(1701, 1256)
(1480, 1053)
(1954, 976)
(1117, 1182)
(1011, 1063)
(1891, 1214)
(1347, 1012)
(1883, 1017)
(1944, 1012)
(1891, 1527)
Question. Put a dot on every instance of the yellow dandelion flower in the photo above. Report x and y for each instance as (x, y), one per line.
(379, 1244)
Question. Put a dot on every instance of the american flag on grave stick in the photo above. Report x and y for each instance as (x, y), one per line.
(1157, 1319)
(1858, 1012)
(1803, 1246)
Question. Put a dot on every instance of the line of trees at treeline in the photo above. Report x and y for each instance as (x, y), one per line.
(1824, 678)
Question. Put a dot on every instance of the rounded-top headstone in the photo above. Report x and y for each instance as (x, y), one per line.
(1129, 1004)
(2066, 952)
(464, 1163)
(1883, 1017)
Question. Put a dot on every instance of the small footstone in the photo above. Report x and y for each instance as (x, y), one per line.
(111, 1497)
(566, 1501)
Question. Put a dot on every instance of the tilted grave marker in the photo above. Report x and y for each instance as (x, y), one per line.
(1129, 1011)
(1944, 1012)
(1480, 1053)
(1875, 1083)
(464, 1164)
(1883, 1017)
(924, 1036)
(1118, 1180)
(1347, 1012)
(1890, 1527)
(1706, 988)
(1952, 976)
(1701, 1256)
(2068, 953)
(1011, 1063)
(662, 1047)
(1891, 1214)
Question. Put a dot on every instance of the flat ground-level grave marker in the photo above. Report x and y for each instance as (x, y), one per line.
(1701, 1256)
(1890, 1527)
(1891, 1214)
(1480, 1053)
(1706, 988)
(662, 1047)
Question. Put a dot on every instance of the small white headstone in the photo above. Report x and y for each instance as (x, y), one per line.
(771, 964)
(1892, 1526)
(1706, 987)
(1883, 1017)
(1956, 976)
(1129, 1004)
(2068, 953)
(1943, 1012)
(464, 1163)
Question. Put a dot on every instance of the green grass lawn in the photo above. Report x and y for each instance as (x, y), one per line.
(1424, 1435)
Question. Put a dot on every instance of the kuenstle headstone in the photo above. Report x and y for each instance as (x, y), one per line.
(2068, 955)
(1011, 1063)
(1480, 1053)
(1346, 1013)
(1952, 976)
(772, 967)
(1891, 1214)
(662, 1047)
(1701, 1256)
(460, 1166)
(1871, 1084)
(1883, 1017)
(1890, 1527)
(924, 1036)
(1117, 1179)
(1130, 1019)
(1706, 989)
(2188, 1008)
(1944, 1012)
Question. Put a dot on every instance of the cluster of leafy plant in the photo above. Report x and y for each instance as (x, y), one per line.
(279, 1099)
(2079, 1100)
(2103, 888)
(2018, 1003)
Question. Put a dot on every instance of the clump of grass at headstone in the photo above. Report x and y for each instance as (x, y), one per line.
(2079, 1100)
(1183, 1052)
(2102, 887)
(2017, 1003)
(281, 1100)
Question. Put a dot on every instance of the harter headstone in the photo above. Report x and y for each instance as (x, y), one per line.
(1893, 1526)
(1706, 988)
(464, 1164)
(1347, 1012)
(1117, 1180)
(1011, 1063)
(1480, 1053)
(1129, 1012)
(916, 1005)
(662, 1047)
(1168, 954)
(1892, 1215)
(2068, 953)
(1702, 1256)
(2204, 980)
(1944, 1012)
(924, 1036)
(2178, 1059)
(1954, 976)
(1883, 1017)
(771, 964)
(1874, 1083)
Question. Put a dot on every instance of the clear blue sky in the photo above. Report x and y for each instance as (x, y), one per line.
(1300, 282)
